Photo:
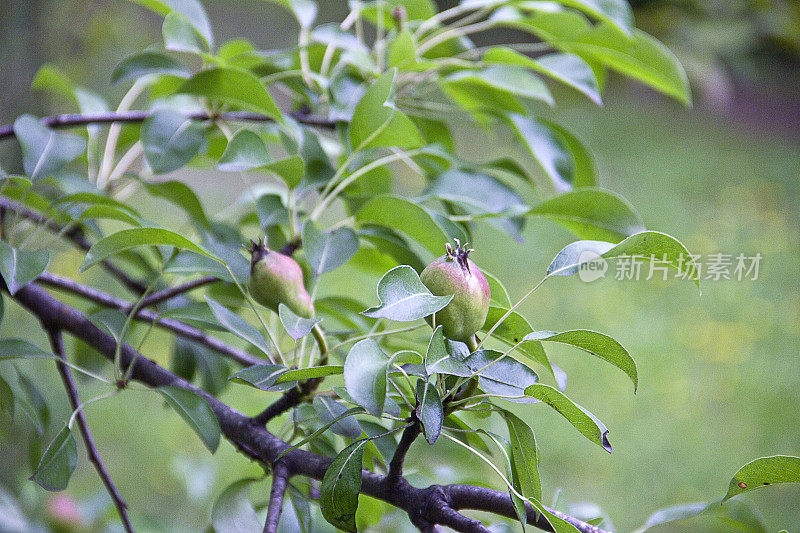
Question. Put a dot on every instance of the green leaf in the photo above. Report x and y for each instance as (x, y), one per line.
(237, 325)
(170, 140)
(764, 471)
(595, 343)
(235, 87)
(131, 238)
(196, 412)
(33, 403)
(311, 372)
(45, 152)
(617, 12)
(147, 63)
(182, 196)
(500, 295)
(389, 243)
(404, 298)
(584, 173)
(676, 512)
(559, 524)
(543, 145)
(290, 169)
(328, 250)
(377, 122)
(296, 326)
(365, 375)
(569, 69)
(262, 377)
(20, 267)
(107, 212)
(305, 11)
(481, 195)
(512, 331)
(636, 54)
(403, 215)
(501, 375)
(524, 456)
(732, 515)
(649, 245)
(233, 512)
(593, 214)
(583, 420)
(22, 349)
(6, 397)
(57, 463)
(386, 444)
(443, 358)
(510, 82)
(429, 410)
(181, 36)
(329, 410)
(245, 151)
(191, 9)
(340, 487)
(51, 78)
(402, 50)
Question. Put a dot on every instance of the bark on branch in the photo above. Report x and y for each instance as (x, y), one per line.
(75, 119)
(280, 477)
(76, 236)
(56, 343)
(176, 326)
(425, 507)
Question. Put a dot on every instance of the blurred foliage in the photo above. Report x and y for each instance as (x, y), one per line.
(726, 42)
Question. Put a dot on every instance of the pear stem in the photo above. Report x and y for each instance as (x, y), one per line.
(472, 344)
(319, 336)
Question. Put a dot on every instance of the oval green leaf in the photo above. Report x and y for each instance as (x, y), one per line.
(20, 267)
(595, 343)
(340, 487)
(404, 298)
(365, 375)
(131, 238)
(583, 420)
(57, 463)
(196, 412)
(235, 87)
(764, 471)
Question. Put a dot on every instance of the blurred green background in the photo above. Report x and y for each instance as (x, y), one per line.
(719, 373)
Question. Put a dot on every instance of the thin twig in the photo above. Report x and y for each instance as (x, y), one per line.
(166, 294)
(176, 326)
(280, 476)
(75, 235)
(77, 119)
(57, 344)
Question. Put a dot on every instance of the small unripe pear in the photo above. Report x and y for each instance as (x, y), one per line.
(455, 273)
(277, 279)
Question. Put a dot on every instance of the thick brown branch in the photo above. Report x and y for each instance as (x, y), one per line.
(410, 434)
(56, 343)
(433, 505)
(171, 324)
(73, 120)
(75, 235)
(280, 476)
(291, 398)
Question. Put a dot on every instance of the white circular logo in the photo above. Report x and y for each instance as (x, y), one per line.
(592, 266)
